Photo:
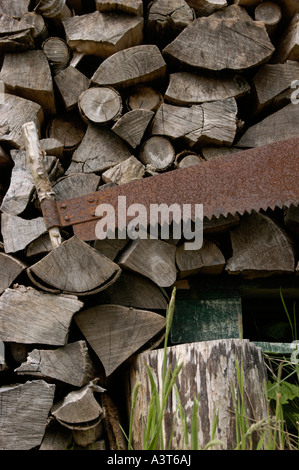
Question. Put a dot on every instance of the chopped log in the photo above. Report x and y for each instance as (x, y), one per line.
(71, 83)
(70, 364)
(100, 105)
(24, 413)
(187, 88)
(102, 34)
(278, 126)
(41, 246)
(209, 123)
(56, 437)
(132, 7)
(48, 315)
(134, 65)
(68, 128)
(145, 295)
(99, 150)
(129, 170)
(17, 232)
(207, 260)
(213, 383)
(144, 97)
(157, 153)
(115, 436)
(116, 332)
(110, 247)
(21, 187)
(132, 126)
(152, 258)
(53, 9)
(71, 186)
(11, 268)
(35, 20)
(79, 406)
(52, 147)
(206, 7)
(270, 14)
(199, 43)
(167, 18)
(288, 48)
(88, 436)
(88, 271)
(57, 52)
(14, 112)
(15, 9)
(260, 248)
(187, 158)
(14, 36)
(272, 84)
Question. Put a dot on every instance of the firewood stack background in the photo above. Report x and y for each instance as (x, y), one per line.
(122, 90)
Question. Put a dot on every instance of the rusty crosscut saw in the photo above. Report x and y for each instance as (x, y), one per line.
(250, 180)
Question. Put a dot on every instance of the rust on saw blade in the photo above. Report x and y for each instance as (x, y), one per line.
(250, 180)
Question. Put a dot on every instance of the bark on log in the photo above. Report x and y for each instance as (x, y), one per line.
(213, 374)
(11, 268)
(71, 83)
(116, 332)
(132, 126)
(100, 105)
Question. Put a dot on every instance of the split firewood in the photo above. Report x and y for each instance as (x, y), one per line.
(132, 126)
(144, 97)
(206, 7)
(132, 7)
(129, 170)
(278, 126)
(15, 9)
(199, 43)
(17, 232)
(110, 247)
(288, 48)
(40, 247)
(116, 332)
(152, 258)
(11, 268)
(207, 260)
(57, 52)
(260, 248)
(209, 123)
(21, 188)
(75, 185)
(35, 20)
(87, 437)
(52, 147)
(68, 128)
(24, 414)
(272, 84)
(145, 295)
(56, 437)
(71, 83)
(270, 14)
(99, 150)
(134, 65)
(102, 34)
(14, 112)
(187, 158)
(54, 9)
(48, 315)
(88, 270)
(166, 19)
(79, 406)
(14, 36)
(100, 105)
(157, 153)
(187, 88)
(70, 364)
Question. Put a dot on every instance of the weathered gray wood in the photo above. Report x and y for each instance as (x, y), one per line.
(260, 248)
(56, 437)
(68, 128)
(14, 112)
(132, 7)
(14, 36)
(209, 123)
(134, 65)
(152, 258)
(132, 126)
(99, 150)
(213, 365)
(30, 316)
(87, 437)
(129, 170)
(144, 97)
(187, 158)
(70, 364)
(288, 48)
(187, 88)
(24, 413)
(157, 153)
(100, 105)
(35, 20)
(77, 184)
(10, 269)
(74, 267)
(199, 43)
(71, 83)
(270, 14)
(281, 125)
(207, 260)
(52, 147)
(102, 34)
(14, 9)
(116, 332)
(57, 52)
(17, 232)
(110, 247)
(41, 246)
(206, 7)
(54, 9)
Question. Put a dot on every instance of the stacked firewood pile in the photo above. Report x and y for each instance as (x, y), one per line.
(121, 90)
